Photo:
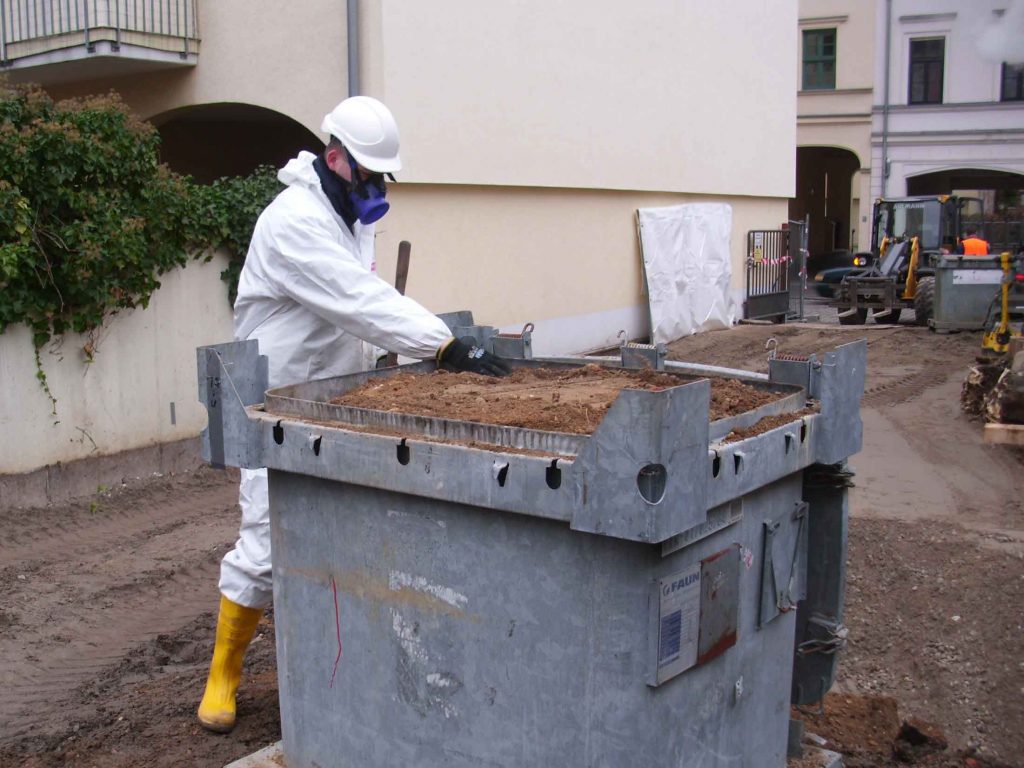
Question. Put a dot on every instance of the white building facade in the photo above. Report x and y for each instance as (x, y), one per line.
(906, 97)
(949, 99)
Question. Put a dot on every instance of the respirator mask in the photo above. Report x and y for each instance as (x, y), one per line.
(367, 194)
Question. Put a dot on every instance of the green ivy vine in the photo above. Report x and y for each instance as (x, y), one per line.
(90, 220)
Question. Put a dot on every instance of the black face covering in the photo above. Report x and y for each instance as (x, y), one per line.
(337, 191)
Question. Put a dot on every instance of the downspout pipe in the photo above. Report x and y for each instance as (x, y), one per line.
(885, 98)
(353, 47)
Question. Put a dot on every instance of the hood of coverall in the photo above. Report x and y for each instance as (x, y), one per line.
(299, 170)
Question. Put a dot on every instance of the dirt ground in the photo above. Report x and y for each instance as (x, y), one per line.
(107, 604)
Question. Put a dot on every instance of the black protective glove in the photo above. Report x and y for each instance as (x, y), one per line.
(464, 355)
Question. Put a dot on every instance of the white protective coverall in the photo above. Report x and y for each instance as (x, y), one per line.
(310, 295)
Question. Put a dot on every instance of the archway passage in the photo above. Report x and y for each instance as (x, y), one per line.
(209, 141)
(824, 180)
(1002, 191)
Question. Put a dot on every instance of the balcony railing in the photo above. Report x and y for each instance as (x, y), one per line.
(39, 32)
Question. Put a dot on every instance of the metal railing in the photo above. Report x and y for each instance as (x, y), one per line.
(23, 21)
(1003, 235)
(767, 273)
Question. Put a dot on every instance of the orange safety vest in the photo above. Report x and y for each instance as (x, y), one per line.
(975, 246)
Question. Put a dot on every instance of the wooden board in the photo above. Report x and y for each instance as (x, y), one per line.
(1005, 434)
(401, 276)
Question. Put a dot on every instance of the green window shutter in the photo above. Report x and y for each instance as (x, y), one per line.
(819, 60)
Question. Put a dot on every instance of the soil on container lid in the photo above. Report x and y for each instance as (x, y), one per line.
(556, 400)
(767, 424)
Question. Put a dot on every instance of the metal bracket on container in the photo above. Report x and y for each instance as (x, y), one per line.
(481, 334)
(651, 356)
(461, 324)
(826, 635)
(639, 480)
(782, 573)
(231, 377)
(802, 370)
(516, 346)
(840, 388)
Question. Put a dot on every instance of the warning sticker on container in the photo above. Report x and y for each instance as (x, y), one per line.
(678, 621)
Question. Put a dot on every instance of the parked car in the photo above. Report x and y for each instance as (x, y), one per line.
(826, 270)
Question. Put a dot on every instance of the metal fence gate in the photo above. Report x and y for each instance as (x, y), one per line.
(768, 263)
(798, 253)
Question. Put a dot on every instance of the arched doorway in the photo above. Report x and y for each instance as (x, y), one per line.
(824, 183)
(209, 141)
(1001, 190)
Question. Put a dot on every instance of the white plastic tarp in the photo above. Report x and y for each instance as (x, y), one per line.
(687, 269)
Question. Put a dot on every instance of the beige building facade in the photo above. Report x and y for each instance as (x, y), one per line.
(531, 134)
(834, 103)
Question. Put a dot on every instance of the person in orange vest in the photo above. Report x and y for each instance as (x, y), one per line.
(974, 245)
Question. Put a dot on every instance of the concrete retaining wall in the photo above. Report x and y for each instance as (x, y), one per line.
(139, 392)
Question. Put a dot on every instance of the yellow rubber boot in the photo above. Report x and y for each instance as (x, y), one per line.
(235, 627)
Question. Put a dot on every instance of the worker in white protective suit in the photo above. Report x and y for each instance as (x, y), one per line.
(310, 295)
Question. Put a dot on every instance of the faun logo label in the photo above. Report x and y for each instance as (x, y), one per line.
(686, 581)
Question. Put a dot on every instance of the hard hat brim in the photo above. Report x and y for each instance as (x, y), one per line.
(376, 164)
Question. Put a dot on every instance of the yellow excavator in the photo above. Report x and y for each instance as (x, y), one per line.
(1005, 314)
(994, 387)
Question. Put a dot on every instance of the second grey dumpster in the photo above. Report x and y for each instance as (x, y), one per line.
(454, 594)
(965, 289)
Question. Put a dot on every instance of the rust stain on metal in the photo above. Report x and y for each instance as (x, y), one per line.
(725, 642)
(712, 558)
(375, 589)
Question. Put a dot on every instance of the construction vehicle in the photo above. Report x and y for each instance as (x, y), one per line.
(906, 233)
(1006, 313)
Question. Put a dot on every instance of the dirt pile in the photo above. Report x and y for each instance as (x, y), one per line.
(868, 732)
(994, 389)
(557, 400)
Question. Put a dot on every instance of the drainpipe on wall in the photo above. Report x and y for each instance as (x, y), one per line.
(353, 47)
(885, 91)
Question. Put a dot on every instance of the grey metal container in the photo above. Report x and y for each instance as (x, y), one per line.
(624, 598)
(964, 290)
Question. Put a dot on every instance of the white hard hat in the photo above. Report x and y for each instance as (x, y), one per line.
(369, 132)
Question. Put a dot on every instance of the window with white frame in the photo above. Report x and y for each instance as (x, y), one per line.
(927, 58)
(1013, 83)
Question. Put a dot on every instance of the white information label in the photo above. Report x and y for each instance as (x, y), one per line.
(977, 276)
(678, 621)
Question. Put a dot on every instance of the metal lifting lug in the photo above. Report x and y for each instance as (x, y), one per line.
(516, 346)
(650, 356)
